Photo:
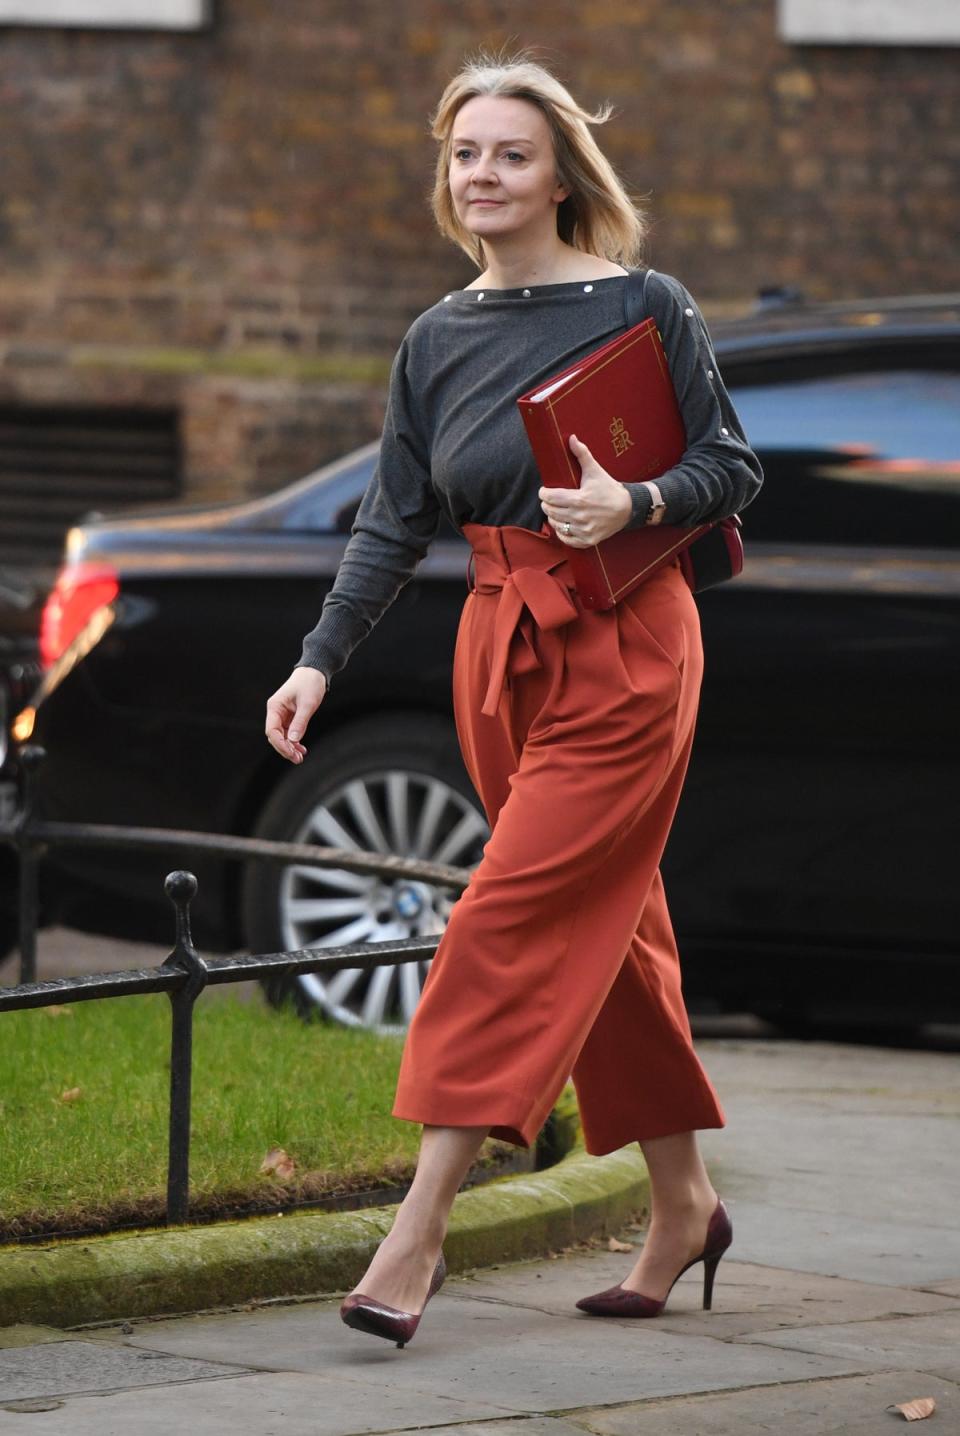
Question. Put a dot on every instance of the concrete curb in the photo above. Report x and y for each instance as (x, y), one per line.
(190, 1269)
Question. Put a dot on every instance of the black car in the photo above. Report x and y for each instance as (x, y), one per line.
(811, 870)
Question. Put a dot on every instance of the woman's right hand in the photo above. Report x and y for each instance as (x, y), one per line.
(290, 709)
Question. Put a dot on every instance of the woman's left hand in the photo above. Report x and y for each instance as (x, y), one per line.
(598, 508)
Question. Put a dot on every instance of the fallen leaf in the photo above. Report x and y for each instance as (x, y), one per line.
(614, 1246)
(70, 1095)
(59, 1009)
(917, 1409)
(279, 1162)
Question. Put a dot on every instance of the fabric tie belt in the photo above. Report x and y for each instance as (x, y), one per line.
(536, 586)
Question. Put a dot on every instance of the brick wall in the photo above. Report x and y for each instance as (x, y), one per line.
(208, 219)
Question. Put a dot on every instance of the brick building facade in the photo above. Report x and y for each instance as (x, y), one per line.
(230, 224)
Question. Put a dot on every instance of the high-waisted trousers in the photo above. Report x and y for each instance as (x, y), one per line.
(559, 958)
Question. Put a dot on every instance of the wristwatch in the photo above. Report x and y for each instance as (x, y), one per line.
(655, 516)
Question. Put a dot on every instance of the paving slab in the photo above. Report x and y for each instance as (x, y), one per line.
(746, 1298)
(847, 1406)
(948, 1288)
(925, 1343)
(514, 1356)
(269, 1404)
(887, 1252)
(64, 1367)
(844, 1158)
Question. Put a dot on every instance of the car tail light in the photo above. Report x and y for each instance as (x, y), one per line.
(80, 590)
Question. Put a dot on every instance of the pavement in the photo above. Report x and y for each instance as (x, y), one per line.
(839, 1297)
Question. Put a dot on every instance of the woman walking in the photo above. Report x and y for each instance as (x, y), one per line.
(575, 725)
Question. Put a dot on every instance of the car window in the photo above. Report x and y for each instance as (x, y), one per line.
(856, 458)
(331, 506)
(348, 512)
(326, 503)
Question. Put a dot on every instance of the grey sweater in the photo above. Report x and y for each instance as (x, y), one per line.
(453, 440)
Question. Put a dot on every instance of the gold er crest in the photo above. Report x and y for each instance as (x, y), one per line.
(621, 437)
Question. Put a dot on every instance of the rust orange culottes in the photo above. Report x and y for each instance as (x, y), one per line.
(559, 958)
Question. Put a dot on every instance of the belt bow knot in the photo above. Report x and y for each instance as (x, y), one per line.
(535, 587)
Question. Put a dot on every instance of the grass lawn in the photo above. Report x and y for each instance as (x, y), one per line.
(84, 1102)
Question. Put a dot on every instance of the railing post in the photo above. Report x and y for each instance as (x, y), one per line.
(28, 853)
(180, 888)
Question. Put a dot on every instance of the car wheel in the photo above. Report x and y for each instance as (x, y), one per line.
(392, 785)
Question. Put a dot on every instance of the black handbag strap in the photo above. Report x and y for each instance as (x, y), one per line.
(635, 296)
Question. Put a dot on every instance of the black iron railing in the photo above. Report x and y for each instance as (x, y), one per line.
(184, 974)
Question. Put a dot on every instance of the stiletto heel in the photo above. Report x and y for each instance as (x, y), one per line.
(378, 1319)
(709, 1272)
(619, 1301)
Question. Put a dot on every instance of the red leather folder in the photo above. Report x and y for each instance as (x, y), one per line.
(620, 401)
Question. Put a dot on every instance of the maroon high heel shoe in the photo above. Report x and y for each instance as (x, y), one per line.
(620, 1301)
(375, 1317)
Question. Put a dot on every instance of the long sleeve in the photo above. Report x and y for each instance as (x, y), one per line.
(398, 518)
(719, 474)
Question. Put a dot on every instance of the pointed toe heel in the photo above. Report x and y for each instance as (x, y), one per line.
(619, 1301)
(378, 1319)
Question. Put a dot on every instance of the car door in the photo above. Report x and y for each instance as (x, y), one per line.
(816, 819)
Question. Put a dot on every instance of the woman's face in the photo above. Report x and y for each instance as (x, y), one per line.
(503, 171)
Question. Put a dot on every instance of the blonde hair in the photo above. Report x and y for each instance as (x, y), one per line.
(597, 216)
